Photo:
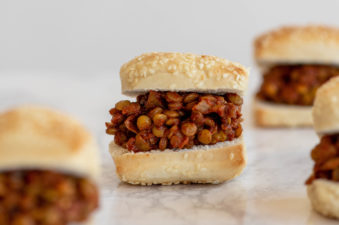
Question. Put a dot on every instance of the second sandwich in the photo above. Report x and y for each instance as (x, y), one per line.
(323, 185)
(185, 125)
(49, 168)
(295, 61)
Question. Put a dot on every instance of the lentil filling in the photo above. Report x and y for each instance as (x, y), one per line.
(35, 197)
(326, 158)
(294, 84)
(175, 120)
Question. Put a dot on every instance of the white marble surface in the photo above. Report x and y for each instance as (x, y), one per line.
(270, 191)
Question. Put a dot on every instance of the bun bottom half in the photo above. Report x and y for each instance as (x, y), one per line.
(324, 196)
(279, 115)
(202, 164)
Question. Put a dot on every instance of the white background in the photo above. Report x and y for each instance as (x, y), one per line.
(94, 36)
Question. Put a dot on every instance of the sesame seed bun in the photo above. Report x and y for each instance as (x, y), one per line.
(298, 45)
(34, 137)
(326, 108)
(182, 72)
(202, 164)
(279, 115)
(324, 196)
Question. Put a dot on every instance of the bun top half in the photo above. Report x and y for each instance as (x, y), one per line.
(182, 72)
(298, 44)
(34, 137)
(326, 108)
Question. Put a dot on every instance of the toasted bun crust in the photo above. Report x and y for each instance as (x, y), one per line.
(182, 72)
(324, 196)
(298, 44)
(275, 115)
(326, 108)
(207, 164)
(39, 138)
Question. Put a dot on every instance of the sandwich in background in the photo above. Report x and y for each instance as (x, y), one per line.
(295, 61)
(323, 185)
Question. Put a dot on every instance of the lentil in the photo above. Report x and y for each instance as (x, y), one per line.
(176, 120)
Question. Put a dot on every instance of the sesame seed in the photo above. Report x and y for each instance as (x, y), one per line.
(172, 86)
(185, 156)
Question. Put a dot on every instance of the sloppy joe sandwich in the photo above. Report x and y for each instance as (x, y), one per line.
(295, 62)
(48, 168)
(323, 185)
(185, 124)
